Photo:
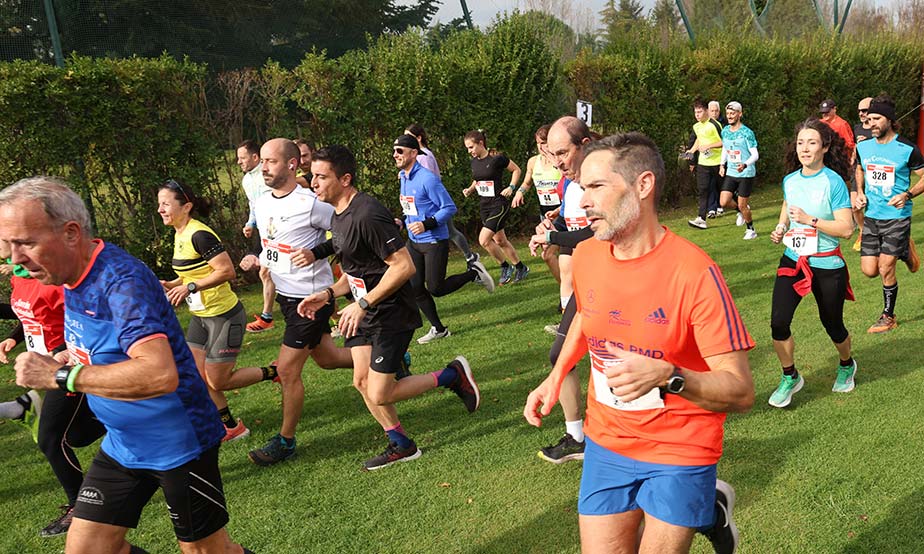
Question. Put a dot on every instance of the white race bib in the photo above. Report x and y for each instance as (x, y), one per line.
(548, 194)
(357, 287)
(277, 257)
(407, 205)
(733, 156)
(576, 223)
(35, 339)
(803, 241)
(194, 301)
(882, 176)
(651, 400)
(485, 188)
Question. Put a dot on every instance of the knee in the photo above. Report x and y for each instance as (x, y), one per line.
(359, 383)
(325, 361)
(485, 241)
(780, 330)
(217, 382)
(742, 204)
(289, 375)
(48, 439)
(870, 270)
(377, 397)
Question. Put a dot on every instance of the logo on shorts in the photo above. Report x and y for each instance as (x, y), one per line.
(617, 319)
(91, 495)
(379, 359)
(658, 317)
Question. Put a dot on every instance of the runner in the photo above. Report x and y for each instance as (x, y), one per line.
(216, 325)
(541, 171)
(128, 355)
(248, 158)
(861, 131)
(429, 161)
(739, 156)
(292, 222)
(815, 214)
(665, 365)
(708, 146)
(379, 325)
(488, 172)
(884, 187)
(427, 207)
(303, 175)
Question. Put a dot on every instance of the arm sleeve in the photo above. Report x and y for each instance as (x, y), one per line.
(570, 239)
(207, 245)
(323, 250)
(915, 160)
(18, 334)
(717, 325)
(754, 156)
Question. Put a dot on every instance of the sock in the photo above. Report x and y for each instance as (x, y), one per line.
(266, 317)
(226, 418)
(505, 264)
(445, 376)
(848, 362)
(269, 373)
(889, 295)
(575, 429)
(396, 435)
(520, 265)
(750, 225)
(15, 409)
(790, 371)
(287, 442)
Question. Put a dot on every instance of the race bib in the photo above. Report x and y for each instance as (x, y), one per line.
(194, 301)
(803, 241)
(485, 188)
(277, 257)
(357, 287)
(548, 195)
(882, 176)
(733, 156)
(78, 355)
(35, 339)
(651, 400)
(576, 223)
(407, 205)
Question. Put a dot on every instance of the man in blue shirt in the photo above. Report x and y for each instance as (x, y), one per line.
(127, 352)
(427, 207)
(883, 175)
(739, 156)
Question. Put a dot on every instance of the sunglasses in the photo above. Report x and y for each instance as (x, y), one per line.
(400, 151)
(177, 187)
(861, 110)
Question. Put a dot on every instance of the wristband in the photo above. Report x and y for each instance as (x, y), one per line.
(72, 376)
(330, 294)
(781, 226)
(814, 223)
(548, 236)
(512, 187)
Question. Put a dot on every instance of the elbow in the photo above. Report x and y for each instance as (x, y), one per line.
(743, 403)
(165, 383)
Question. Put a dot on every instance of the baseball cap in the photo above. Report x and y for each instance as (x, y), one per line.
(733, 106)
(826, 106)
(408, 141)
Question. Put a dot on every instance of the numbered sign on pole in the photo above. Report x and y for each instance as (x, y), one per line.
(585, 112)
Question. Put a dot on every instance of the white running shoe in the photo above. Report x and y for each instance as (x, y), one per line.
(750, 234)
(433, 335)
(739, 221)
(484, 278)
(720, 212)
(699, 223)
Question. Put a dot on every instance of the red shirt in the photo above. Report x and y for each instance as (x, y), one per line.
(671, 304)
(40, 308)
(842, 128)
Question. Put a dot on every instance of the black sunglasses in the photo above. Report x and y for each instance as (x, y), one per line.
(177, 187)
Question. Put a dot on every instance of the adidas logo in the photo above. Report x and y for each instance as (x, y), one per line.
(658, 317)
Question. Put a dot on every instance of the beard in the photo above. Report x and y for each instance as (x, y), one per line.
(275, 181)
(621, 220)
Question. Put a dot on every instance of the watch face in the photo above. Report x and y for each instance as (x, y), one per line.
(675, 385)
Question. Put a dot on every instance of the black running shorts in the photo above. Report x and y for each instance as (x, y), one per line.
(387, 348)
(494, 216)
(302, 332)
(742, 185)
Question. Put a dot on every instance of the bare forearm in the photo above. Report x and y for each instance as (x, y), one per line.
(129, 380)
(719, 391)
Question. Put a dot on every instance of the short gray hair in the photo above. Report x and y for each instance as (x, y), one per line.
(60, 202)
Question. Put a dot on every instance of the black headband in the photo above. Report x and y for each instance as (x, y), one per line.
(883, 109)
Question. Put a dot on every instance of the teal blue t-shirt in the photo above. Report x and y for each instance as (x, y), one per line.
(818, 195)
(737, 146)
(886, 173)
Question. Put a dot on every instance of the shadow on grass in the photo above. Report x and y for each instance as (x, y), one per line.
(898, 533)
(751, 465)
(555, 530)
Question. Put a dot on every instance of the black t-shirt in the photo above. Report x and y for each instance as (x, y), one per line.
(364, 235)
(488, 173)
(859, 131)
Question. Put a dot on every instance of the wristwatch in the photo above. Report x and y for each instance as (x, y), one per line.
(363, 303)
(675, 382)
(191, 287)
(61, 376)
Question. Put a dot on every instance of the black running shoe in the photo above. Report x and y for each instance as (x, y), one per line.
(506, 274)
(465, 386)
(520, 274)
(565, 450)
(724, 534)
(393, 454)
(273, 452)
(60, 524)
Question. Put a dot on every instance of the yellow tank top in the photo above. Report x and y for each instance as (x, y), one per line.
(191, 266)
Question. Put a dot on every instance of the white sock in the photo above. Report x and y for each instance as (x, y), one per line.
(11, 410)
(564, 301)
(575, 429)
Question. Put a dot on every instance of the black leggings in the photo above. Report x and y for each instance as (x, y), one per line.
(829, 287)
(430, 260)
(66, 422)
(566, 317)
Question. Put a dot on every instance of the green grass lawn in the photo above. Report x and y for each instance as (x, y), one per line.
(830, 474)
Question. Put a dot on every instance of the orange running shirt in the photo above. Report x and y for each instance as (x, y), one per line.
(670, 304)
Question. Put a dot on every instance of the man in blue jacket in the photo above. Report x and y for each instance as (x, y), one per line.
(427, 207)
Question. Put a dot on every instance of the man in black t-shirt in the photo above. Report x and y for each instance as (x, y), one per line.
(379, 324)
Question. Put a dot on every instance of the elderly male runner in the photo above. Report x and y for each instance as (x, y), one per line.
(129, 356)
(379, 324)
(665, 365)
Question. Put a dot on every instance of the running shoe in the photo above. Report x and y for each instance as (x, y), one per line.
(506, 274)
(393, 454)
(239, 431)
(739, 220)
(750, 234)
(724, 534)
(710, 214)
(913, 261)
(884, 324)
(465, 386)
(473, 259)
(405, 369)
(788, 386)
(699, 223)
(32, 413)
(856, 245)
(844, 381)
(521, 273)
(552, 328)
(258, 325)
(433, 335)
(483, 278)
(273, 452)
(720, 212)
(564, 450)
(60, 524)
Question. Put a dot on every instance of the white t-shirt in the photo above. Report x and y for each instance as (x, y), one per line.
(254, 187)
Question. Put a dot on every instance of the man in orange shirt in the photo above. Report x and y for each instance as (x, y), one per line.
(828, 111)
(668, 355)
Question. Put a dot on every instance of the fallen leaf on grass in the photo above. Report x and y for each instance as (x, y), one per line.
(864, 517)
(445, 485)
